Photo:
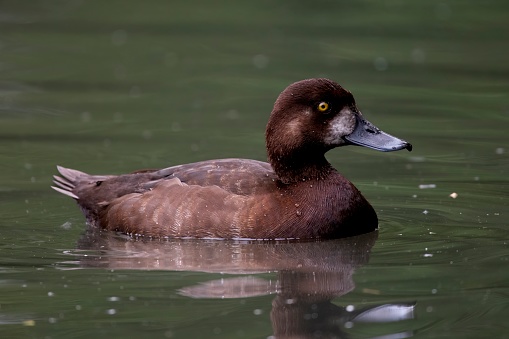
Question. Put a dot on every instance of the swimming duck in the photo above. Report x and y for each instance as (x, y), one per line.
(297, 194)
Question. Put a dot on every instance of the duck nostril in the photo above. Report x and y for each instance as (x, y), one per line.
(369, 130)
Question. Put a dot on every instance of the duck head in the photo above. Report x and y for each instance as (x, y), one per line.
(311, 117)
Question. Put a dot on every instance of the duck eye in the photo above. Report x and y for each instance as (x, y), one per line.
(323, 106)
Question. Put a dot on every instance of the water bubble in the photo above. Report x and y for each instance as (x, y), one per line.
(146, 134)
(86, 117)
(111, 311)
(417, 159)
(443, 11)
(51, 294)
(500, 150)
(197, 103)
(120, 72)
(118, 117)
(260, 61)
(175, 127)
(171, 59)
(119, 37)
(381, 64)
(66, 225)
(418, 55)
(232, 114)
(113, 299)
(348, 324)
(135, 92)
(350, 308)
(257, 311)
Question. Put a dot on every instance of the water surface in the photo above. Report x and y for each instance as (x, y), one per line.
(117, 86)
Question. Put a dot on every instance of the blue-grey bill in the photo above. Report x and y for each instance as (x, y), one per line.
(368, 135)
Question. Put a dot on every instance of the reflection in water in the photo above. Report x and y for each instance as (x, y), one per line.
(309, 275)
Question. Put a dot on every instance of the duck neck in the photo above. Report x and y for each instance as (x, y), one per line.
(300, 167)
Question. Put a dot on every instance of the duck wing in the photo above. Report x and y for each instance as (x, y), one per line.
(176, 201)
(237, 176)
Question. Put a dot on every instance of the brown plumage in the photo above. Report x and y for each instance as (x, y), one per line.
(298, 194)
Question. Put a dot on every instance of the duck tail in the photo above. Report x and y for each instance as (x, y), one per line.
(66, 183)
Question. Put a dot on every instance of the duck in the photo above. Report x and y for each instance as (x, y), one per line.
(296, 194)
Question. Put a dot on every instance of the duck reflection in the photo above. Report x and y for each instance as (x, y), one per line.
(309, 275)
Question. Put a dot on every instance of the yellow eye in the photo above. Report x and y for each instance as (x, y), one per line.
(323, 106)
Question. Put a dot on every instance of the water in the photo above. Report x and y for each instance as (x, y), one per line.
(117, 86)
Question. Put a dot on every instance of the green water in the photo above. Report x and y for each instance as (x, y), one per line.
(110, 87)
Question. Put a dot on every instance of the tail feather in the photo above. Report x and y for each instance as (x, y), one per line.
(71, 174)
(63, 182)
(66, 192)
(66, 183)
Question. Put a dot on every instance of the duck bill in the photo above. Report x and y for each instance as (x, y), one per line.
(368, 135)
